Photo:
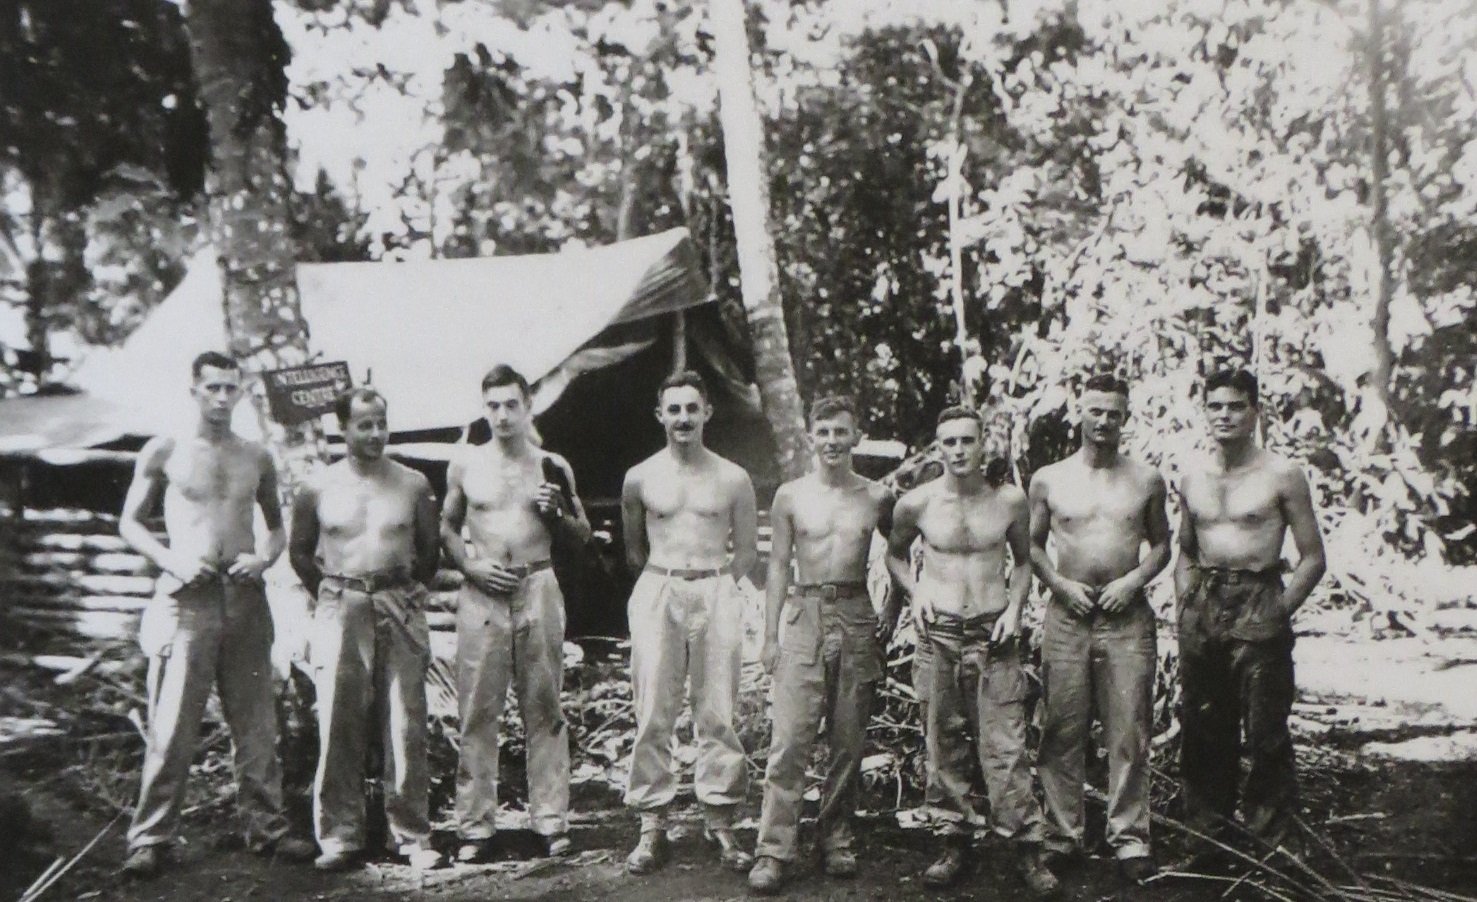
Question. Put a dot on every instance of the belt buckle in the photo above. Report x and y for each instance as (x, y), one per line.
(829, 592)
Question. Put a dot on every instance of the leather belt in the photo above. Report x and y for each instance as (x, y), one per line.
(1231, 576)
(523, 571)
(680, 573)
(369, 583)
(832, 591)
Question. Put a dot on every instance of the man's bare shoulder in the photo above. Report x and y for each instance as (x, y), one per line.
(876, 491)
(1042, 479)
(1288, 472)
(156, 453)
(644, 468)
(915, 500)
(789, 491)
(1197, 467)
(412, 479)
(259, 454)
(733, 476)
(1011, 495)
(1143, 473)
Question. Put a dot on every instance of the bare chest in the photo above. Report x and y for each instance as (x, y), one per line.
(207, 475)
(352, 508)
(500, 485)
(672, 496)
(1247, 500)
(818, 516)
(952, 525)
(1083, 503)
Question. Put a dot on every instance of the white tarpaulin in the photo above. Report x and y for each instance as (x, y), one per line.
(426, 330)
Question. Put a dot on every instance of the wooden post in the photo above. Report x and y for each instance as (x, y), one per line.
(679, 341)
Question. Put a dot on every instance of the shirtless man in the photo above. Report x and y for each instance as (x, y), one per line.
(1235, 618)
(970, 614)
(208, 623)
(364, 543)
(830, 657)
(510, 615)
(681, 509)
(1099, 508)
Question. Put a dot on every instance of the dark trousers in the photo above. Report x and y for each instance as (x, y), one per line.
(1236, 673)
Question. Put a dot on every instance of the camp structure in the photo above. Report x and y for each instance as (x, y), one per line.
(595, 330)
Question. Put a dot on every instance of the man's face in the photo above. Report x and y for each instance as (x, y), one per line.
(217, 390)
(1231, 414)
(834, 437)
(960, 442)
(508, 411)
(367, 429)
(1103, 413)
(683, 413)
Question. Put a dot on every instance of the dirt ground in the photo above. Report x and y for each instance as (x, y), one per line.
(1385, 818)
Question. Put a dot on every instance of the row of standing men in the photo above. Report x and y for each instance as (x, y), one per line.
(366, 539)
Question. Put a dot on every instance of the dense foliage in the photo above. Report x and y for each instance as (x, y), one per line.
(1154, 188)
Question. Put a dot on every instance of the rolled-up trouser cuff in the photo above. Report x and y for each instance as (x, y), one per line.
(655, 819)
(336, 847)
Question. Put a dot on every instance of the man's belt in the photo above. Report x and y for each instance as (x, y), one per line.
(679, 573)
(524, 571)
(369, 583)
(832, 591)
(960, 627)
(1230, 576)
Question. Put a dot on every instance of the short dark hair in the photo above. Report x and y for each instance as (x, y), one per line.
(829, 406)
(502, 375)
(1106, 382)
(959, 412)
(214, 359)
(683, 379)
(343, 402)
(1236, 379)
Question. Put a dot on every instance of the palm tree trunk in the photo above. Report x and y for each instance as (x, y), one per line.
(238, 54)
(748, 196)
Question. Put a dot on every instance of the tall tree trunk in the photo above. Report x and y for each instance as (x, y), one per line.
(968, 383)
(748, 196)
(1384, 242)
(238, 54)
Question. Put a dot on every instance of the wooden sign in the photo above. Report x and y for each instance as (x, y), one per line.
(300, 393)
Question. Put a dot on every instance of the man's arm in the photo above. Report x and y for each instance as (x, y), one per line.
(900, 559)
(427, 533)
(745, 527)
(143, 496)
(1189, 546)
(1076, 596)
(633, 523)
(1117, 595)
(1297, 508)
(1018, 538)
(892, 607)
(302, 544)
(777, 587)
(251, 566)
(454, 514)
(900, 544)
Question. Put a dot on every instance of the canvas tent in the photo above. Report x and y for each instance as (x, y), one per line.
(590, 327)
